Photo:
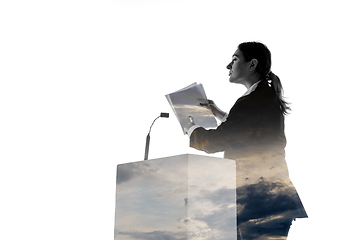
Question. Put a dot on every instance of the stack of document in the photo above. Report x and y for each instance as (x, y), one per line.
(192, 101)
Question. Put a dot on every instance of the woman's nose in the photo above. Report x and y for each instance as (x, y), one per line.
(229, 66)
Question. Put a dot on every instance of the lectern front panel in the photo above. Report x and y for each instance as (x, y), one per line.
(180, 197)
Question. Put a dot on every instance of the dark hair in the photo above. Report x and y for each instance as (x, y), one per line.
(258, 51)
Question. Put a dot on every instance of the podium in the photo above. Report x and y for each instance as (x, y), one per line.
(180, 197)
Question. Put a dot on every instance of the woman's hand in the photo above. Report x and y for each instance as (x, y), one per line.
(215, 109)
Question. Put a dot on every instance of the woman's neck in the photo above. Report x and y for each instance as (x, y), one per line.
(250, 80)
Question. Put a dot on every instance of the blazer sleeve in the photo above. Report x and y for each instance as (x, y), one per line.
(233, 131)
(251, 121)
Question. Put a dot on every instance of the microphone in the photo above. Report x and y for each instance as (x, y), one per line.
(163, 115)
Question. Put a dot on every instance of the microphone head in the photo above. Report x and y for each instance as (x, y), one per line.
(164, 115)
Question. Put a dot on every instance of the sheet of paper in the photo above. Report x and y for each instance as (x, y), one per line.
(186, 102)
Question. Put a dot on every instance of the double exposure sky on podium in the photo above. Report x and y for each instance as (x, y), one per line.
(82, 81)
(179, 197)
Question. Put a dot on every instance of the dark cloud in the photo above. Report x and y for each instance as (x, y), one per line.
(125, 172)
(266, 199)
(266, 228)
(155, 235)
(267, 208)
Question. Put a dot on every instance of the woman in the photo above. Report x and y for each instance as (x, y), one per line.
(252, 133)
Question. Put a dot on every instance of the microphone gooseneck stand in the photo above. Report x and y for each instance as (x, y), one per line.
(163, 115)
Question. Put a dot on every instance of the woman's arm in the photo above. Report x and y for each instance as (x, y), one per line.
(254, 122)
(244, 125)
(228, 132)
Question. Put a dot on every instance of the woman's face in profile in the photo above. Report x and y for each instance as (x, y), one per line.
(238, 68)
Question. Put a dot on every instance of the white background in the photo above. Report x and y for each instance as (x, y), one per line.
(82, 81)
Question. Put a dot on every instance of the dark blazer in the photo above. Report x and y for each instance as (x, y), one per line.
(253, 135)
(255, 125)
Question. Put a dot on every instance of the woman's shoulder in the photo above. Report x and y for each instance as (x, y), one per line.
(260, 101)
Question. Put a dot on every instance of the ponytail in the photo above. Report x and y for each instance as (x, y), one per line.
(275, 83)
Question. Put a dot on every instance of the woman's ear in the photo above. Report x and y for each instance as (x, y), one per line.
(253, 64)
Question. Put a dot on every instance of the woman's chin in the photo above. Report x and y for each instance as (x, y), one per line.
(236, 80)
(232, 80)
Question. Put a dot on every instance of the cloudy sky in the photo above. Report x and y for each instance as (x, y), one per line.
(82, 81)
(171, 198)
